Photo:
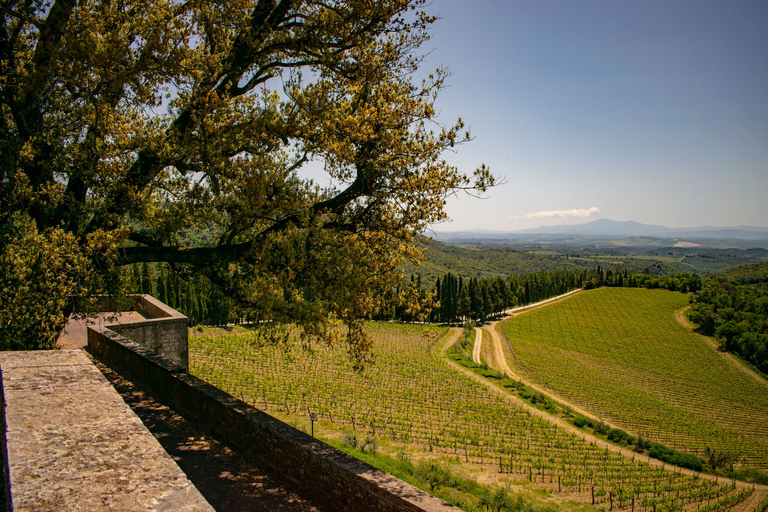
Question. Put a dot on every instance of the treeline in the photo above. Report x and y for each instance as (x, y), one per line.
(453, 299)
(737, 315)
(457, 300)
(754, 273)
(686, 283)
(194, 296)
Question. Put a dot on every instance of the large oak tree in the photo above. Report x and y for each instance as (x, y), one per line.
(180, 131)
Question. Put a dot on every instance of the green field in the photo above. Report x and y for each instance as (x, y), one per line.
(413, 399)
(620, 353)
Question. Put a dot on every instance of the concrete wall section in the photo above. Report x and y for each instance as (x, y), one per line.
(153, 308)
(340, 479)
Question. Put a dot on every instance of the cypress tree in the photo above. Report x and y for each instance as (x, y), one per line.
(465, 304)
(162, 294)
(146, 279)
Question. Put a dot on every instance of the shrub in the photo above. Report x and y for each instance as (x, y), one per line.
(600, 428)
(684, 460)
(433, 474)
(582, 421)
(616, 435)
(370, 444)
(349, 439)
(641, 443)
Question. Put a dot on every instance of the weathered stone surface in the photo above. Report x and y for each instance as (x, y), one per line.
(75, 333)
(153, 325)
(73, 444)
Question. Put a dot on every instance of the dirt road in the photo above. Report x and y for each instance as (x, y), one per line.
(497, 339)
(476, 349)
(729, 358)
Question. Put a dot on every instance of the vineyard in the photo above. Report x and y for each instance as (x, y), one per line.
(621, 354)
(413, 399)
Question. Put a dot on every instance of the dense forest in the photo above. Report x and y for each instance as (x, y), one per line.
(737, 315)
(753, 273)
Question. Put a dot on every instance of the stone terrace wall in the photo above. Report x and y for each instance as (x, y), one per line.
(343, 481)
(164, 331)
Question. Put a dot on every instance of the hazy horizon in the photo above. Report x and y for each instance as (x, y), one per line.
(576, 222)
(653, 112)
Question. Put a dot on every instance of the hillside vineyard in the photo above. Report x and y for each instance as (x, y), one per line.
(412, 397)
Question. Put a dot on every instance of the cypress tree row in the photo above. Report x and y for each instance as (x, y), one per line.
(453, 299)
(484, 298)
(196, 297)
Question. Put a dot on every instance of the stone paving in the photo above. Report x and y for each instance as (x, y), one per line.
(73, 443)
(75, 333)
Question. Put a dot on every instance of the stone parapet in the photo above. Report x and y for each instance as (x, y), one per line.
(163, 330)
(71, 442)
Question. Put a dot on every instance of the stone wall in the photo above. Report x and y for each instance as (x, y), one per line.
(341, 480)
(164, 331)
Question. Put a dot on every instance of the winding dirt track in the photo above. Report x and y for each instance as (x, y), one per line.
(496, 340)
(478, 347)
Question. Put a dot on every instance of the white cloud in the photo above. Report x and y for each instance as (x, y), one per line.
(563, 214)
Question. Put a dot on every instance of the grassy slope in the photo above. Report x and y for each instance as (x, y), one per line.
(621, 354)
(414, 400)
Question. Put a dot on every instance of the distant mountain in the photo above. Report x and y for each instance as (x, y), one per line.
(604, 228)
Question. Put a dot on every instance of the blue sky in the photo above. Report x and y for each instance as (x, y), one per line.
(652, 111)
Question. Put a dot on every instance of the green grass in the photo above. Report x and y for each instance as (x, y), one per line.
(414, 400)
(621, 354)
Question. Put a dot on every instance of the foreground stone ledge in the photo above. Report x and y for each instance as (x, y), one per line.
(71, 443)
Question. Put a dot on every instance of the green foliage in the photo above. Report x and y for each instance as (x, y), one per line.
(501, 501)
(753, 273)
(368, 444)
(737, 314)
(620, 352)
(670, 456)
(179, 132)
(433, 474)
(44, 276)
(582, 421)
(618, 436)
(641, 443)
(202, 301)
(601, 428)
(717, 458)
